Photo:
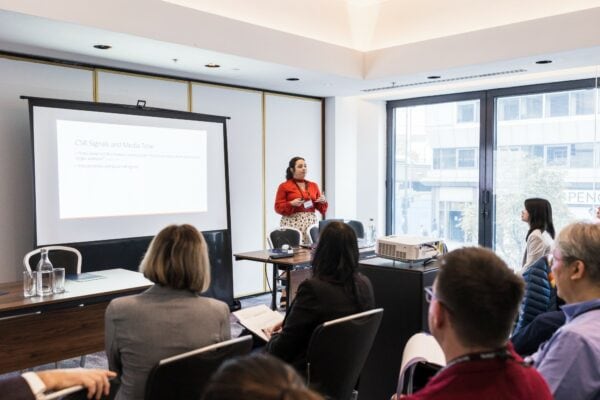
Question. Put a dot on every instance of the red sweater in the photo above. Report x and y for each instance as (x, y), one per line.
(289, 191)
(486, 379)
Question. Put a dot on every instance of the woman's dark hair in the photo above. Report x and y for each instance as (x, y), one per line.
(540, 216)
(336, 258)
(257, 377)
(289, 172)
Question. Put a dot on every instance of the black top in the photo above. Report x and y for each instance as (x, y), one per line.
(317, 301)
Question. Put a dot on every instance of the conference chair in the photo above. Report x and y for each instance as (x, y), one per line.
(313, 233)
(65, 257)
(276, 239)
(358, 228)
(287, 235)
(337, 352)
(421, 359)
(185, 376)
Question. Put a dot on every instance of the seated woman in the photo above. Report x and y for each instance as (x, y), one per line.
(257, 377)
(335, 290)
(170, 317)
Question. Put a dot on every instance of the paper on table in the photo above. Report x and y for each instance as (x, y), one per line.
(257, 318)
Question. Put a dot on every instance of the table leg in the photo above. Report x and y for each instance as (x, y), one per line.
(274, 285)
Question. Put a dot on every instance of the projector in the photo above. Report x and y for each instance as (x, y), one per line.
(408, 248)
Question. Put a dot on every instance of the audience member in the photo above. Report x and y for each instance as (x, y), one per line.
(30, 385)
(538, 215)
(528, 340)
(569, 360)
(170, 317)
(473, 304)
(257, 377)
(335, 290)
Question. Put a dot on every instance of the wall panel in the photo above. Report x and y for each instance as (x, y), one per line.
(292, 128)
(114, 87)
(16, 186)
(244, 140)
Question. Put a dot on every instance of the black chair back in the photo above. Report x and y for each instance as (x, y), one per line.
(337, 352)
(184, 376)
(358, 228)
(290, 236)
(313, 233)
(65, 257)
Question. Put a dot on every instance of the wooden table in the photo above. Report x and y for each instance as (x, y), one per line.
(300, 259)
(40, 330)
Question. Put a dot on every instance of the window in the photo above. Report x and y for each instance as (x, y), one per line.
(467, 112)
(532, 107)
(466, 158)
(583, 102)
(533, 155)
(508, 109)
(556, 155)
(582, 155)
(558, 105)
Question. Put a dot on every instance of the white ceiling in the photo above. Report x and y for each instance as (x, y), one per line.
(335, 47)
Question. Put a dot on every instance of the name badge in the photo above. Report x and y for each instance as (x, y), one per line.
(308, 204)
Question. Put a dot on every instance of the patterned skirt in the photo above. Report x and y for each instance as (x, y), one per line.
(300, 221)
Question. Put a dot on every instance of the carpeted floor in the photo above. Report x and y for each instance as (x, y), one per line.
(98, 360)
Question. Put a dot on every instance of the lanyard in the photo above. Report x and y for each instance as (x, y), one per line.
(502, 354)
(301, 192)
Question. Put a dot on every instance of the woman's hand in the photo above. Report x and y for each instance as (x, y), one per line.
(270, 331)
(297, 202)
(321, 199)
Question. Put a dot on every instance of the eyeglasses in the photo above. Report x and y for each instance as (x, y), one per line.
(429, 295)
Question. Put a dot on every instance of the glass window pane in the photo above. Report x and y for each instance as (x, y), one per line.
(558, 105)
(436, 175)
(583, 102)
(508, 108)
(582, 155)
(548, 158)
(532, 107)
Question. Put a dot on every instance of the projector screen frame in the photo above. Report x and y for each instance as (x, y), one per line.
(100, 254)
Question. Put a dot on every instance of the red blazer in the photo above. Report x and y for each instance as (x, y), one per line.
(289, 191)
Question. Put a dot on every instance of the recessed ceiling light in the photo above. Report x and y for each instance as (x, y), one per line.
(543, 62)
(433, 77)
(292, 79)
(235, 69)
(212, 65)
(102, 46)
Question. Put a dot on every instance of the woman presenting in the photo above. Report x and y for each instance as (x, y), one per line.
(297, 199)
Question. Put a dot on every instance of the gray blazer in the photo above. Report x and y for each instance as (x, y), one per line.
(161, 322)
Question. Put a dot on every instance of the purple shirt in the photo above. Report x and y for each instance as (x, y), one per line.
(570, 360)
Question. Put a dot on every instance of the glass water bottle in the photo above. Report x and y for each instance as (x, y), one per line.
(44, 274)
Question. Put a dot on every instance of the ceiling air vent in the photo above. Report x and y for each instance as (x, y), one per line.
(459, 78)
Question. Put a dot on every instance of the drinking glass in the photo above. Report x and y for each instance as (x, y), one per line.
(58, 280)
(29, 288)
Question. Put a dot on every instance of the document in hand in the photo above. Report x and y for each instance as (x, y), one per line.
(257, 318)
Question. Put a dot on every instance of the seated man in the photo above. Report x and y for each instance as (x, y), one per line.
(473, 305)
(569, 360)
(31, 385)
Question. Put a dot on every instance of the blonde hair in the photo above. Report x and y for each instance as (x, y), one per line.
(178, 258)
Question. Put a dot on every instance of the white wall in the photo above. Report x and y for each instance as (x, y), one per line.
(355, 164)
(244, 143)
(260, 142)
(16, 187)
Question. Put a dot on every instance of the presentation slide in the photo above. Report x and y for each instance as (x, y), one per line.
(153, 170)
(103, 175)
